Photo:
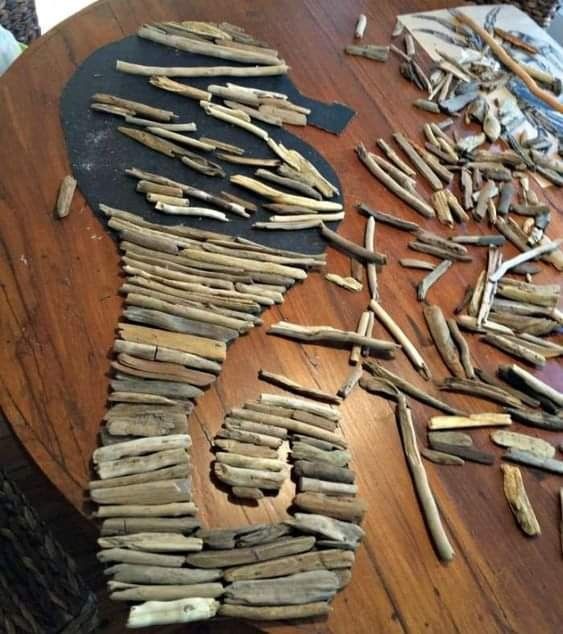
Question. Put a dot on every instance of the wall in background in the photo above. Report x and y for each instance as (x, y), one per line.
(51, 12)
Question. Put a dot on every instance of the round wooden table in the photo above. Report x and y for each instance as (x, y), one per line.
(60, 307)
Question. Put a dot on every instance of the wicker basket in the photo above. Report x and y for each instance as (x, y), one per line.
(20, 17)
(542, 11)
(40, 590)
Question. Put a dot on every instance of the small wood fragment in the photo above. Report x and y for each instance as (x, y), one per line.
(66, 193)
(452, 438)
(349, 283)
(360, 26)
(518, 500)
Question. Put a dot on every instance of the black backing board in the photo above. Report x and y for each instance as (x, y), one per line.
(99, 154)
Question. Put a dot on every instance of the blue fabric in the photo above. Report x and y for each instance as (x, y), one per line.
(9, 49)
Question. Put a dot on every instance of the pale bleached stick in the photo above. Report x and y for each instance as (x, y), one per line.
(206, 48)
(369, 244)
(280, 197)
(327, 334)
(197, 212)
(66, 192)
(202, 71)
(360, 26)
(167, 612)
(408, 347)
(532, 254)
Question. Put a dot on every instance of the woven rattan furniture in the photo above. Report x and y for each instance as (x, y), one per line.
(20, 17)
(40, 589)
(542, 11)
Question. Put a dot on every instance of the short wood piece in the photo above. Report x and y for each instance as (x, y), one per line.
(66, 193)
(347, 509)
(239, 556)
(467, 453)
(315, 560)
(167, 612)
(518, 500)
(304, 587)
(275, 613)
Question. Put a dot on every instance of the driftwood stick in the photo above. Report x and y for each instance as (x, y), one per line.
(202, 71)
(303, 405)
(427, 282)
(134, 106)
(304, 587)
(537, 385)
(518, 500)
(129, 592)
(153, 542)
(140, 447)
(523, 442)
(179, 88)
(469, 422)
(177, 509)
(395, 158)
(148, 493)
(275, 613)
(125, 556)
(296, 388)
(467, 453)
(463, 348)
(283, 547)
(245, 449)
(346, 509)
(407, 196)
(316, 560)
(531, 460)
(369, 244)
(420, 395)
(206, 48)
(438, 328)
(381, 216)
(352, 248)
(531, 254)
(329, 335)
(361, 329)
(305, 451)
(420, 164)
(167, 612)
(177, 472)
(408, 347)
(132, 525)
(351, 381)
(420, 480)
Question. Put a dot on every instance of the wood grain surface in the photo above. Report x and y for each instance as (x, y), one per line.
(60, 306)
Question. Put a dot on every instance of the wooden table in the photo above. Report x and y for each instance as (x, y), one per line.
(60, 307)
